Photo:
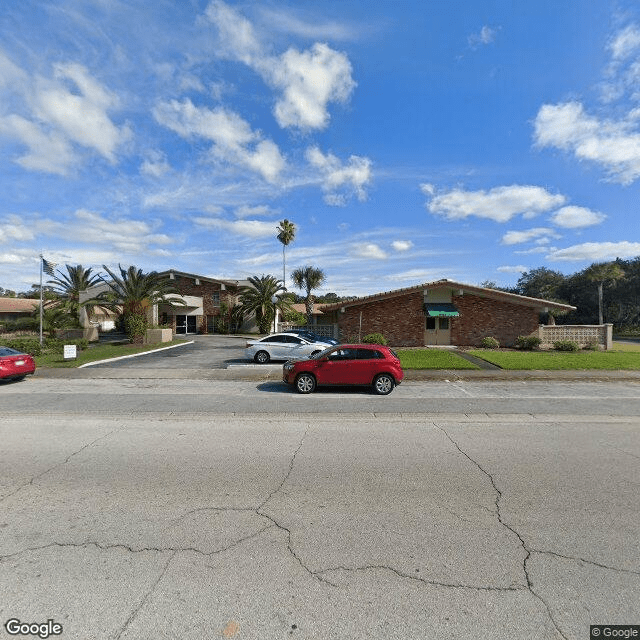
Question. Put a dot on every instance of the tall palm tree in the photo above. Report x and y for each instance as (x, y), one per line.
(257, 299)
(67, 287)
(134, 292)
(601, 273)
(286, 234)
(308, 278)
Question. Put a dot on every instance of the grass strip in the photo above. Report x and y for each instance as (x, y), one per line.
(433, 359)
(98, 352)
(558, 360)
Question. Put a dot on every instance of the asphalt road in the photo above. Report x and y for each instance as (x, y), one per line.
(142, 508)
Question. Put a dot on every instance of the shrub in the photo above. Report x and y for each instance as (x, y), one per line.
(374, 338)
(26, 345)
(565, 345)
(593, 345)
(489, 343)
(528, 343)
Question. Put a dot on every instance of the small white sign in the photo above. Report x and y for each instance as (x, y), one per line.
(70, 352)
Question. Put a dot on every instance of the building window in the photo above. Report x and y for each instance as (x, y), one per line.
(444, 324)
(215, 297)
(431, 324)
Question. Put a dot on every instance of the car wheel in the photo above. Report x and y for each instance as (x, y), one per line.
(262, 357)
(305, 383)
(383, 384)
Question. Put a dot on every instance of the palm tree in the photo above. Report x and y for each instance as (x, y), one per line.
(308, 278)
(600, 273)
(258, 299)
(134, 292)
(67, 287)
(286, 234)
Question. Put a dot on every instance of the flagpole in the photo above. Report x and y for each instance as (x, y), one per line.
(41, 258)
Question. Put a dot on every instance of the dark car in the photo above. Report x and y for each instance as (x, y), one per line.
(15, 365)
(347, 364)
(314, 337)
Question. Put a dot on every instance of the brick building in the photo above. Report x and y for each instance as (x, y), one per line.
(440, 313)
(204, 298)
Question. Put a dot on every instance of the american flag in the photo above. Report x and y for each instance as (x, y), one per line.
(48, 267)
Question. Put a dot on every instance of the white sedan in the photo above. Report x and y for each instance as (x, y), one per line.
(282, 346)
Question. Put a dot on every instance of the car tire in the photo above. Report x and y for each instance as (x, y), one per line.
(19, 378)
(262, 357)
(305, 383)
(383, 384)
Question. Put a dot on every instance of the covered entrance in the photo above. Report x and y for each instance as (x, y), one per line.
(437, 329)
(186, 324)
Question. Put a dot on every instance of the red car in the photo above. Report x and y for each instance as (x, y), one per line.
(15, 365)
(347, 364)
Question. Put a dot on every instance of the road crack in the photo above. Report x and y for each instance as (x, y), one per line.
(527, 550)
(426, 581)
(60, 464)
(146, 596)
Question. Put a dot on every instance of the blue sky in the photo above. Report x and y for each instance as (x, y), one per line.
(409, 140)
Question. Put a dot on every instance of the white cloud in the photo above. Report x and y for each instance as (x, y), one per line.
(339, 179)
(15, 229)
(247, 211)
(485, 36)
(250, 228)
(232, 137)
(512, 269)
(576, 217)
(415, 275)
(613, 144)
(155, 164)
(596, 251)
(625, 43)
(402, 245)
(72, 107)
(369, 250)
(308, 80)
(315, 28)
(518, 237)
(499, 204)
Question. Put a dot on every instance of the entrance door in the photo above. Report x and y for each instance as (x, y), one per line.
(186, 324)
(437, 330)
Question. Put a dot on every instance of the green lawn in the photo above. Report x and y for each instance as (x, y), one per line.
(98, 352)
(433, 359)
(554, 360)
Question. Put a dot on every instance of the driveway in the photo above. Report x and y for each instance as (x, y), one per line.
(206, 352)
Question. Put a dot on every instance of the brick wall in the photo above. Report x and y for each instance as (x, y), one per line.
(400, 320)
(205, 290)
(481, 317)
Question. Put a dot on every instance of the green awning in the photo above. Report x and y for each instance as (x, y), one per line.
(435, 309)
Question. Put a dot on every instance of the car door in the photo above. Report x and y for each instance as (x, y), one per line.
(336, 369)
(365, 366)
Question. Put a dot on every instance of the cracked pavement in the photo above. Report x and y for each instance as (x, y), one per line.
(318, 526)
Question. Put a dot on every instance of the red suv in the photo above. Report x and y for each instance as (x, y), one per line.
(347, 364)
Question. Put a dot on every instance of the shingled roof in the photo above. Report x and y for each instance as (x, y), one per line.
(18, 305)
(513, 298)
